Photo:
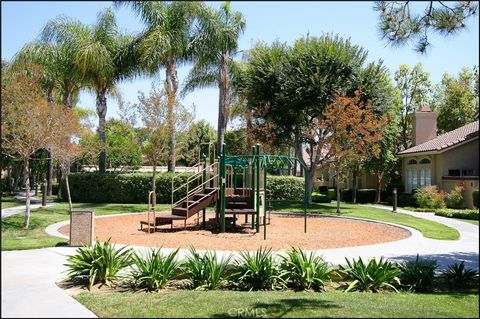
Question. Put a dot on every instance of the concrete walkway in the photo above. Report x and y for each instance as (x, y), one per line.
(28, 277)
(29, 289)
(6, 212)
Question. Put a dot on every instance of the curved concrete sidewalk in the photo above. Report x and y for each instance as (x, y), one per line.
(28, 277)
(6, 212)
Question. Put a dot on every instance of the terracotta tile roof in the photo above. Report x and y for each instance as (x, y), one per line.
(446, 140)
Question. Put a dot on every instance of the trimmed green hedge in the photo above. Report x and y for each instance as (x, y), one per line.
(363, 195)
(131, 188)
(286, 187)
(458, 213)
(475, 198)
(320, 198)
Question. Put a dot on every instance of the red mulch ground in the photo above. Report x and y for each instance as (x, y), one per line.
(283, 232)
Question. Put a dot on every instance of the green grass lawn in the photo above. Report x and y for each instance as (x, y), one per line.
(10, 201)
(429, 229)
(220, 304)
(15, 237)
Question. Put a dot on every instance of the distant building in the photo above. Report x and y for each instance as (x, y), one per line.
(446, 160)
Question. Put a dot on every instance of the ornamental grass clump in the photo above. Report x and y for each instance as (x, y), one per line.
(304, 271)
(153, 270)
(99, 263)
(458, 276)
(206, 271)
(372, 276)
(418, 275)
(257, 271)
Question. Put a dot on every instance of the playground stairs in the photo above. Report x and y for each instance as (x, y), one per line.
(195, 203)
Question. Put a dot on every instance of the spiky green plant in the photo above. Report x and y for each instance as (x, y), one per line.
(304, 271)
(371, 276)
(459, 276)
(153, 270)
(418, 275)
(206, 271)
(99, 263)
(258, 271)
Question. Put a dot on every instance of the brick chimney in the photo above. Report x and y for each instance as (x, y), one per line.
(424, 125)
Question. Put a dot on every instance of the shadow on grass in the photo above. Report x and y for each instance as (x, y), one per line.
(277, 308)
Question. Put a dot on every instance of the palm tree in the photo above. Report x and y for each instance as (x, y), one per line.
(165, 43)
(102, 55)
(215, 44)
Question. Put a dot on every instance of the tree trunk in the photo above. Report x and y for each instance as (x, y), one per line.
(223, 101)
(26, 180)
(354, 184)
(310, 170)
(102, 113)
(154, 182)
(67, 94)
(249, 119)
(338, 193)
(51, 102)
(378, 182)
(171, 86)
(67, 186)
(36, 183)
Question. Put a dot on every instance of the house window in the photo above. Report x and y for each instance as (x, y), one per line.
(418, 176)
(460, 172)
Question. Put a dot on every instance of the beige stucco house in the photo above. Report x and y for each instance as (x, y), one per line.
(446, 160)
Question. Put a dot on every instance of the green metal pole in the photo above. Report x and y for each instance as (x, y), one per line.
(305, 198)
(222, 192)
(265, 199)
(253, 185)
(258, 187)
(234, 175)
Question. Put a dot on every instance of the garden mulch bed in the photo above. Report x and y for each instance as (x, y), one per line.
(282, 233)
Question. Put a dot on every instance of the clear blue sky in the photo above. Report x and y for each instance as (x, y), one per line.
(266, 21)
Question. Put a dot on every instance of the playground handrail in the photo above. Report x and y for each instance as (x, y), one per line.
(196, 188)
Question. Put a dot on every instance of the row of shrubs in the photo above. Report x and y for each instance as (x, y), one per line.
(258, 270)
(472, 214)
(432, 197)
(97, 187)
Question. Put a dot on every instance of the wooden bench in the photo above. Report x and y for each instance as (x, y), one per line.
(154, 224)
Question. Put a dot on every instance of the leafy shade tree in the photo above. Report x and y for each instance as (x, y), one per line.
(153, 111)
(215, 45)
(61, 80)
(199, 132)
(103, 57)
(415, 88)
(355, 133)
(166, 43)
(64, 148)
(378, 89)
(289, 89)
(122, 146)
(27, 120)
(401, 25)
(457, 103)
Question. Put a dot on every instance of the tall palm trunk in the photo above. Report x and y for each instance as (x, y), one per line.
(224, 101)
(26, 179)
(171, 88)
(378, 182)
(49, 152)
(102, 113)
(249, 118)
(67, 94)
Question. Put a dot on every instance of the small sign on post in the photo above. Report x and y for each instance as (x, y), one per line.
(394, 200)
(81, 227)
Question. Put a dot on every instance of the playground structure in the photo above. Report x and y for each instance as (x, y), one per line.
(237, 184)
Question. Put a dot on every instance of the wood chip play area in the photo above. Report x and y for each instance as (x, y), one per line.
(283, 232)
